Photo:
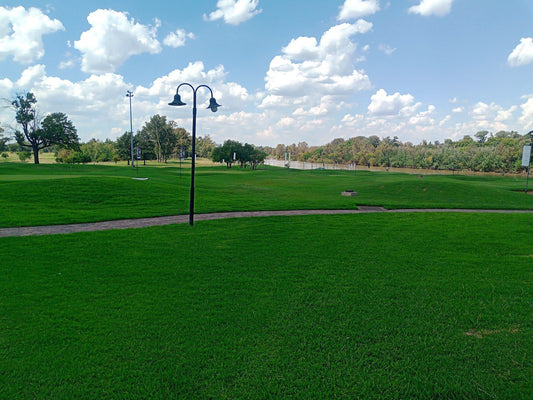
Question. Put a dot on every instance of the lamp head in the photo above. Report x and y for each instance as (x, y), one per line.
(213, 105)
(177, 101)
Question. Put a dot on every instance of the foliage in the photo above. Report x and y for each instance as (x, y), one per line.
(24, 156)
(233, 151)
(162, 135)
(54, 129)
(500, 152)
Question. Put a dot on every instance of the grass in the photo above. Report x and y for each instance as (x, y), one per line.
(381, 306)
(55, 194)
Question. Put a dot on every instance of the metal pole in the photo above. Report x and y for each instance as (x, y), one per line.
(191, 204)
(130, 95)
(527, 179)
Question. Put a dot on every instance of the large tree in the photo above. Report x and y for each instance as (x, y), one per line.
(163, 136)
(3, 140)
(54, 129)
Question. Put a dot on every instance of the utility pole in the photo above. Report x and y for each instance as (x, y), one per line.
(130, 95)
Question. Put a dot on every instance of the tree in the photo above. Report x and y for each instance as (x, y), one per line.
(142, 139)
(482, 136)
(163, 136)
(184, 142)
(123, 146)
(54, 129)
(227, 152)
(205, 146)
(3, 140)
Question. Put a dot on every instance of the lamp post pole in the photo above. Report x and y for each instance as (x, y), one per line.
(130, 95)
(213, 106)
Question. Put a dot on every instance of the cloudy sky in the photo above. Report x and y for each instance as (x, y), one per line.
(285, 71)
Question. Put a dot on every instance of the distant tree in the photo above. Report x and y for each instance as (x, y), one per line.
(205, 146)
(227, 152)
(54, 129)
(184, 143)
(143, 140)
(482, 136)
(3, 140)
(123, 147)
(24, 156)
(163, 136)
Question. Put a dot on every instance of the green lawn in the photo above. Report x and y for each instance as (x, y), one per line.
(369, 306)
(366, 306)
(55, 194)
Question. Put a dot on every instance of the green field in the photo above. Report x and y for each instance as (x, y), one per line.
(365, 306)
(55, 194)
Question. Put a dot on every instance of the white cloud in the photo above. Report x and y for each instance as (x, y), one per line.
(522, 54)
(426, 8)
(492, 117)
(527, 114)
(310, 67)
(234, 12)
(178, 38)
(112, 39)
(21, 33)
(385, 48)
(384, 105)
(353, 9)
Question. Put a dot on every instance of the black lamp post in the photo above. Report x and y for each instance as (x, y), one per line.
(213, 106)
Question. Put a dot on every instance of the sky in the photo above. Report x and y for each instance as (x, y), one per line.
(284, 71)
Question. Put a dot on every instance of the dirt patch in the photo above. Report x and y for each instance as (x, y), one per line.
(481, 333)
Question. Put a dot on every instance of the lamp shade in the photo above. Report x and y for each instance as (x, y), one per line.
(177, 101)
(213, 105)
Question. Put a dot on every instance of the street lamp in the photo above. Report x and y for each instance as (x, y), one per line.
(130, 95)
(213, 106)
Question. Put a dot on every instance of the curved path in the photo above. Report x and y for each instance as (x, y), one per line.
(181, 219)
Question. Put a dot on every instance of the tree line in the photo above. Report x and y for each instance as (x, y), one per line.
(158, 140)
(486, 152)
(162, 140)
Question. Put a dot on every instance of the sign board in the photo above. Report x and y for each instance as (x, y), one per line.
(526, 156)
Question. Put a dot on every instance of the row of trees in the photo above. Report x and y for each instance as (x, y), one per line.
(158, 140)
(500, 152)
(235, 152)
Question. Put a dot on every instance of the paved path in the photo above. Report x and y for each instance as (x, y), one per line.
(181, 219)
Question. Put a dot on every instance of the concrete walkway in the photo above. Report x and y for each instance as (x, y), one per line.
(182, 219)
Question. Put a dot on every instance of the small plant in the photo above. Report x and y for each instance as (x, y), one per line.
(5, 156)
(24, 156)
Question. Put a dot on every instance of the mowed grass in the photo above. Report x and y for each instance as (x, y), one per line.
(369, 306)
(56, 194)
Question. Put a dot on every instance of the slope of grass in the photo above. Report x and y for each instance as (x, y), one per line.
(387, 306)
(53, 194)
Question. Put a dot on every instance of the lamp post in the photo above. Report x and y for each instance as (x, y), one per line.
(130, 95)
(213, 106)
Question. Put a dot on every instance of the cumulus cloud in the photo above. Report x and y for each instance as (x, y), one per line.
(112, 39)
(353, 9)
(234, 12)
(427, 8)
(522, 54)
(21, 33)
(485, 114)
(178, 38)
(326, 67)
(384, 105)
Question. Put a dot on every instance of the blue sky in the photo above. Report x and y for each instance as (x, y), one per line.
(285, 71)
